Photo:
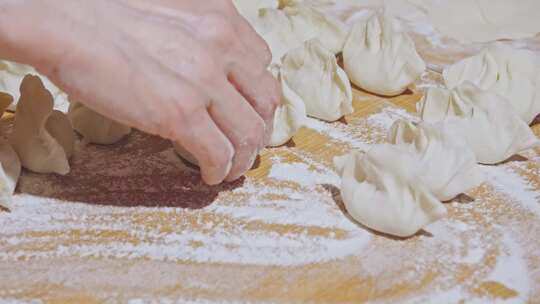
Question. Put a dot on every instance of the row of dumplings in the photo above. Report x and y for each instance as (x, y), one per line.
(480, 117)
(42, 139)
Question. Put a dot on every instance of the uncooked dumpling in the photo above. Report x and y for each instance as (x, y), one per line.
(94, 127)
(381, 190)
(250, 8)
(512, 73)
(380, 57)
(447, 165)
(312, 73)
(185, 154)
(276, 29)
(309, 23)
(486, 120)
(11, 75)
(10, 166)
(42, 138)
(290, 116)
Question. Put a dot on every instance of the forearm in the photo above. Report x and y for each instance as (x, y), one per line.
(30, 32)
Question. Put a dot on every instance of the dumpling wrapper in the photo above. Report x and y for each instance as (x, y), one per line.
(94, 127)
(42, 138)
(380, 57)
(11, 75)
(10, 165)
(381, 190)
(312, 73)
(249, 9)
(511, 73)
(486, 120)
(289, 116)
(447, 165)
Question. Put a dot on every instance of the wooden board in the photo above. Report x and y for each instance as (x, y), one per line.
(133, 222)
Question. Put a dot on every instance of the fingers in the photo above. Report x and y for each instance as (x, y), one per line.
(253, 42)
(197, 132)
(242, 125)
(261, 90)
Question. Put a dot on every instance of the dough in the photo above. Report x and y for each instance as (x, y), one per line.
(10, 170)
(42, 138)
(486, 120)
(381, 190)
(308, 23)
(287, 29)
(447, 165)
(290, 115)
(512, 73)
(250, 8)
(483, 20)
(380, 57)
(185, 154)
(11, 75)
(10, 166)
(313, 74)
(94, 127)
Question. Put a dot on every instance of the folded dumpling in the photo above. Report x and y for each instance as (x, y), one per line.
(290, 115)
(277, 31)
(447, 165)
(381, 190)
(486, 120)
(43, 138)
(312, 72)
(380, 57)
(10, 165)
(94, 127)
(512, 73)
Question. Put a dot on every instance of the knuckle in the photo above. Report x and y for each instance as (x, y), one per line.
(218, 29)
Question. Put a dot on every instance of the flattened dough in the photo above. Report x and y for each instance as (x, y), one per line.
(381, 190)
(42, 138)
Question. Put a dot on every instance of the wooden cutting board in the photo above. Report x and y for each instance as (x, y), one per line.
(132, 222)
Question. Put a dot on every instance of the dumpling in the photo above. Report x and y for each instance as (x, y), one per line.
(250, 8)
(486, 120)
(380, 57)
(42, 138)
(11, 75)
(381, 190)
(447, 165)
(309, 23)
(10, 166)
(276, 29)
(94, 127)
(287, 29)
(312, 73)
(512, 73)
(10, 170)
(290, 116)
(185, 154)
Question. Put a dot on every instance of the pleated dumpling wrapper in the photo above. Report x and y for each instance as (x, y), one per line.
(94, 127)
(290, 115)
(10, 165)
(312, 72)
(42, 137)
(447, 165)
(287, 29)
(512, 73)
(308, 23)
(486, 120)
(11, 75)
(380, 57)
(249, 9)
(381, 190)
